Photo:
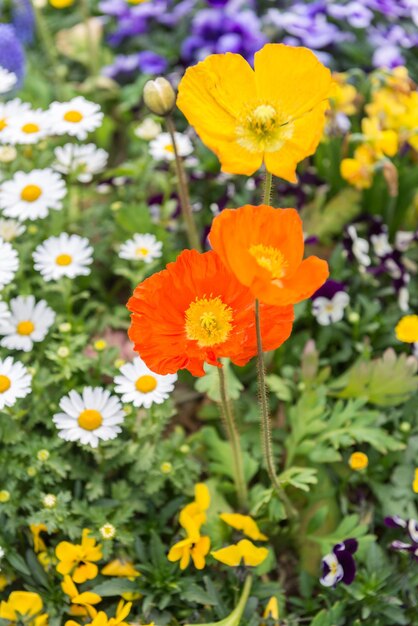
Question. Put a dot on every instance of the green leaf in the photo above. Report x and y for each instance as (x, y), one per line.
(279, 387)
(115, 587)
(209, 384)
(234, 618)
(299, 477)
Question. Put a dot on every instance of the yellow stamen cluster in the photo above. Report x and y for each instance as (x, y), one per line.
(5, 383)
(73, 116)
(208, 321)
(262, 128)
(146, 383)
(30, 193)
(90, 419)
(25, 328)
(272, 259)
(64, 259)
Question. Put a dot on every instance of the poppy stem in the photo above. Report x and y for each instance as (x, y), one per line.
(234, 440)
(183, 190)
(268, 181)
(265, 424)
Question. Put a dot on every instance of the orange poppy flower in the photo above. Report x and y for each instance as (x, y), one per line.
(196, 311)
(273, 114)
(264, 248)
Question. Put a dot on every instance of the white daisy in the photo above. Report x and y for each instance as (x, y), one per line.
(4, 311)
(330, 310)
(8, 110)
(9, 263)
(29, 322)
(65, 255)
(10, 229)
(26, 128)
(84, 161)
(161, 148)
(7, 80)
(142, 247)
(89, 417)
(15, 381)
(148, 129)
(77, 118)
(31, 196)
(139, 385)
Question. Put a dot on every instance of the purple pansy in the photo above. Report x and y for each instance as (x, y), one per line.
(339, 565)
(125, 65)
(411, 528)
(329, 303)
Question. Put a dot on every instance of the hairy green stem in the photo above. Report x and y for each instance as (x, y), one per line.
(268, 181)
(266, 438)
(183, 190)
(233, 436)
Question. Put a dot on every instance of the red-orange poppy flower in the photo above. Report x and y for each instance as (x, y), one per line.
(264, 248)
(196, 311)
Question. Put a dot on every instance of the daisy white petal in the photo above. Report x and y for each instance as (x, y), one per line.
(65, 255)
(29, 322)
(142, 247)
(161, 148)
(29, 196)
(77, 117)
(9, 263)
(15, 382)
(142, 387)
(82, 160)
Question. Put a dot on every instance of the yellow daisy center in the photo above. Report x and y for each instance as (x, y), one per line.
(30, 193)
(73, 116)
(262, 128)
(141, 251)
(63, 259)
(30, 128)
(146, 383)
(3, 123)
(5, 383)
(407, 329)
(270, 258)
(208, 321)
(25, 328)
(90, 419)
(169, 148)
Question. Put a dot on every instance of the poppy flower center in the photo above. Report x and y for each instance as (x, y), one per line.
(262, 129)
(90, 419)
(208, 321)
(30, 128)
(30, 193)
(5, 383)
(141, 251)
(145, 384)
(3, 123)
(270, 258)
(73, 116)
(25, 328)
(63, 259)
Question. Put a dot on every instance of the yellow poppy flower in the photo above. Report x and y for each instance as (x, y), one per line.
(197, 509)
(78, 559)
(120, 567)
(273, 114)
(272, 610)
(23, 604)
(244, 551)
(244, 523)
(406, 329)
(38, 542)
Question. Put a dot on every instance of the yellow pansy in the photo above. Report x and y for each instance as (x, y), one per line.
(78, 559)
(194, 547)
(415, 481)
(359, 170)
(343, 95)
(38, 542)
(245, 523)
(383, 142)
(84, 601)
(243, 551)
(407, 329)
(274, 114)
(20, 606)
(197, 509)
(120, 567)
(272, 610)
(101, 618)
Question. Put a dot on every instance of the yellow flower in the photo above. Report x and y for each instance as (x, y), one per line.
(197, 509)
(4, 496)
(272, 610)
(407, 329)
(38, 542)
(84, 601)
(100, 345)
(194, 547)
(20, 606)
(78, 559)
(273, 114)
(383, 142)
(244, 551)
(343, 96)
(101, 618)
(61, 4)
(121, 568)
(244, 523)
(359, 170)
(415, 482)
(358, 461)
(4, 581)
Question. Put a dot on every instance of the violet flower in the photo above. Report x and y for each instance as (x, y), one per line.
(125, 65)
(411, 528)
(329, 303)
(339, 565)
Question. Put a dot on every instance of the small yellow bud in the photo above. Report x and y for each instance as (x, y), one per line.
(49, 501)
(42, 455)
(358, 461)
(166, 467)
(31, 471)
(32, 229)
(108, 531)
(116, 206)
(405, 427)
(185, 449)
(4, 495)
(7, 154)
(119, 362)
(63, 352)
(65, 327)
(353, 317)
(100, 345)
(61, 4)
(159, 96)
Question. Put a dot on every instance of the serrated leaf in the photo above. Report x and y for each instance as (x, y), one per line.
(279, 387)
(298, 477)
(209, 384)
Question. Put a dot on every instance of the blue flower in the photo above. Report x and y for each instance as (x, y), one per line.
(23, 20)
(339, 565)
(12, 55)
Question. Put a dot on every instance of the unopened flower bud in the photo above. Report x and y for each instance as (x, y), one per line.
(159, 96)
